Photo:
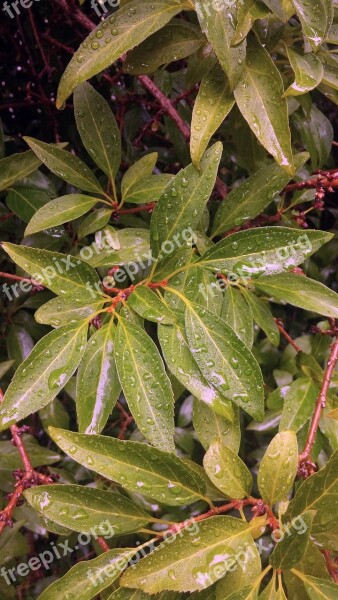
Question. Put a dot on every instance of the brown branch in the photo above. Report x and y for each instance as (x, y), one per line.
(306, 467)
(279, 324)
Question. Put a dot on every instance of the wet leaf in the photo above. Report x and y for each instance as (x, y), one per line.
(237, 314)
(16, 167)
(210, 426)
(293, 543)
(278, 468)
(299, 402)
(59, 211)
(308, 72)
(316, 19)
(150, 306)
(262, 314)
(64, 311)
(227, 471)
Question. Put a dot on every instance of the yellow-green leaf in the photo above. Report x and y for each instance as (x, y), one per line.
(227, 471)
(278, 468)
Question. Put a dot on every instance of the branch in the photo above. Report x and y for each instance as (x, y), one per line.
(279, 324)
(306, 467)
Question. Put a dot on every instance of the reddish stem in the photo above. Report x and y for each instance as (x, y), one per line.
(279, 324)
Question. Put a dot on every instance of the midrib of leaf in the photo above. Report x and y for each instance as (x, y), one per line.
(300, 404)
(24, 198)
(50, 364)
(105, 510)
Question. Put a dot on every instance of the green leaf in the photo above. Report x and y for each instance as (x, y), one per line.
(44, 373)
(98, 129)
(125, 594)
(64, 311)
(5, 367)
(114, 36)
(248, 570)
(150, 306)
(88, 578)
(330, 76)
(313, 564)
(145, 384)
(319, 492)
(19, 343)
(248, 12)
(237, 314)
(318, 589)
(182, 204)
(300, 291)
(16, 167)
(263, 250)
(269, 593)
(61, 273)
(263, 316)
(25, 202)
(59, 211)
(148, 190)
(194, 560)
(97, 386)
(299, 402)
(317, 135)
(134, 248)
(181, 363)
(94, 221)
(213, 103)
(2, 141)
(87, 510)
(316, 19)
(259, 98)
(308, 72)
(137, 172)
(227, 471)
(251, 197)
(217, 22)
(281, 8)
(224, 360)
(11, 460)
(176, 40)
(278, 467)
(293, 543)
(136, 466)
(65, 165)
(210, 426)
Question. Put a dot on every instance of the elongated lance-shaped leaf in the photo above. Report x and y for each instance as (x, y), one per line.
(262, 314)
(188, 564)
(217, 22)
(94, 221)
(248, 12)
(134, 248)
(252, 196)
(278, 468)
(302, 292)
(263, 251)
(237, 314)
(137, 172)
(145, 384)
(136, 466)
(64, 311)
(65, 165)
(89, 577)
(227, 471)
(282, 9)
(16, 167)
(210, 426)
(259, 98)
(308, 72)
(61, 273)
(61, 210)
(292, 547)
(181, 206)
(98, 129)
(114, 36)
(181, 363)
(24, 202)
(82, 508)
(316, 19)
(224, 360)
(148, 189)
(44, 373)
(299, 402)
(97, 385)
(149, 306)
(317, 589)
(214, 101)
(236, 579)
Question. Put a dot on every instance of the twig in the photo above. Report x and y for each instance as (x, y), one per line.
(279, 324)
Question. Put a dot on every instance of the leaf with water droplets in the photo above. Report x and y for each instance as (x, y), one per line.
(239, 577)
(125, 594)
(149, 189)
(89, 577)
(302, 292)
(278, 468)
(292, 544)
(248, 12)
(44, 373)
(308, 72)
(85, 509)
(209, 426)
(259, 98)
(227, 471)
(145, 384)
(317, 135)
(61, 273)
(114, 36)
(282, 8)
(24, 202)
(16, 167)
(181, 206)
(218, 24)
(214, 101)
(150, 306)
(299, 402)
(316, 19)
(98, 129)
(65, 165)
(253, 195)
(263, 250)
(181, 363)
(319, 492)
(262, 314)
(133, 248)
(134, 465)
(194, 560)
(173, 42)
(97, 384)
(64, 311)
(226, 363)
(137, 172)
(59, 211)
(237, 314)
(94, 221)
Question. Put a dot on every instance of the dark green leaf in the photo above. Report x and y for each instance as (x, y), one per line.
(308, 72)
(262, 315)
(16, 167)
(25, 202)
(293, 543)
(316, 19)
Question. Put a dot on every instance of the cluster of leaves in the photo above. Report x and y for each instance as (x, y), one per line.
(186, 338)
